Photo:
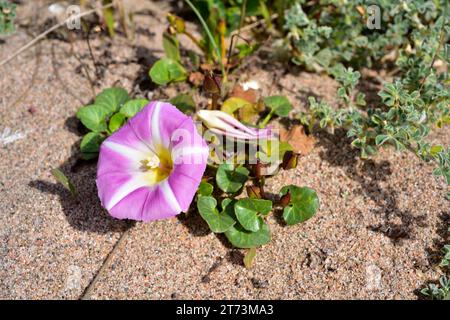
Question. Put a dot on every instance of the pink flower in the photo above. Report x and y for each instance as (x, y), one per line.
(150, 168)
(222, 123)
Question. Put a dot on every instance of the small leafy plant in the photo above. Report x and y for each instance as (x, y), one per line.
(441, 290)
(218, 19)
(414, 102)
(109, 111)
(7, 16)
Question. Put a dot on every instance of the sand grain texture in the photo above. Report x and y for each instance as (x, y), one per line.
(378, 223)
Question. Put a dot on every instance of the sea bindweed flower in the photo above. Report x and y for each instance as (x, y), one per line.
(150, 168)
(222, 123)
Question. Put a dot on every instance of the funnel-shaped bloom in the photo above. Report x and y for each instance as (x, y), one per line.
(222, 123)
(150, 168)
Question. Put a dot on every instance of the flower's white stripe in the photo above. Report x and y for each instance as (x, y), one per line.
(137, 181)
(169, 196)
(156, 135)
(186, 151)
(133, 154)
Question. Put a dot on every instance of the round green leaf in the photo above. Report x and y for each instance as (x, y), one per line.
(116, 122)
(205, 189)
(303, 204)
(90, 145)
(241, 238)
(167, 70)
(248, 212)
(131, 107)
(93, 117)
(184, 102)
(279, 105)
(112, 99)
(231, 179)
(217, 222)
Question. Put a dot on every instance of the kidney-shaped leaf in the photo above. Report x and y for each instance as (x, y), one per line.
(303, 204)
(279, 105)
(230, 178)
(94, 117)
(217, 222)
(167, 70)
(241, 238)
(248, 212)
(112, 99)
(131, 107)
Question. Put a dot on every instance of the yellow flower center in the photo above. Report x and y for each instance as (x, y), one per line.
(157, 167)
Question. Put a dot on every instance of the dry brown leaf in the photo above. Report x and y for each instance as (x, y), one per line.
(196, 78)
(298, 139)
(250, 95)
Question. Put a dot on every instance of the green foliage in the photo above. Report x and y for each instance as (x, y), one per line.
(323, 34)
(441, 290)
(167, 70)
(217, 222)
(231, 178)
(410, 105)
(184, 102)
(438, 291)
(205, 189)
(7, 16)
(279, 105)
(303, 204)
(249, 212)
(62, 178)
(109, 112)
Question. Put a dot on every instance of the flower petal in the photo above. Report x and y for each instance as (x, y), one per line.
(114, 187)
(155, 123)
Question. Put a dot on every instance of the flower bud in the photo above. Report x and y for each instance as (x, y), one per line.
(284, 201)
(254, 192)
(212, 83)
(290, 160)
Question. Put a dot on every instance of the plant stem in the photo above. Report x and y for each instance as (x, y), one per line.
(266, 120)
(194, 40)
(210, 36)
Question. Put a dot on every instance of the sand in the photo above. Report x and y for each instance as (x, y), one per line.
(375, 236)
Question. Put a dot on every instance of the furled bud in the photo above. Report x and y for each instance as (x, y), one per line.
(176, 22)
(284, 201)
(254, 192)
(212, 83)
(290, 160)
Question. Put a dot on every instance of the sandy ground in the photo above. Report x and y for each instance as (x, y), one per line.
(375, 236)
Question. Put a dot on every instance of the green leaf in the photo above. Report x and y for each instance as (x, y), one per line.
(61, 178)
(217, 222)
(205, 189)
(248, 212)
(108, 16)
(381, 139)
(279, 105)
(171, 46)
(249, 257)
(230, 178)
(116, 122)
(184, 102)
(167, 70)
(93, 117)
(131, 107)
(90, 145)
(303, 204)
(112, 99)
(241, 238)
(232, 104)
